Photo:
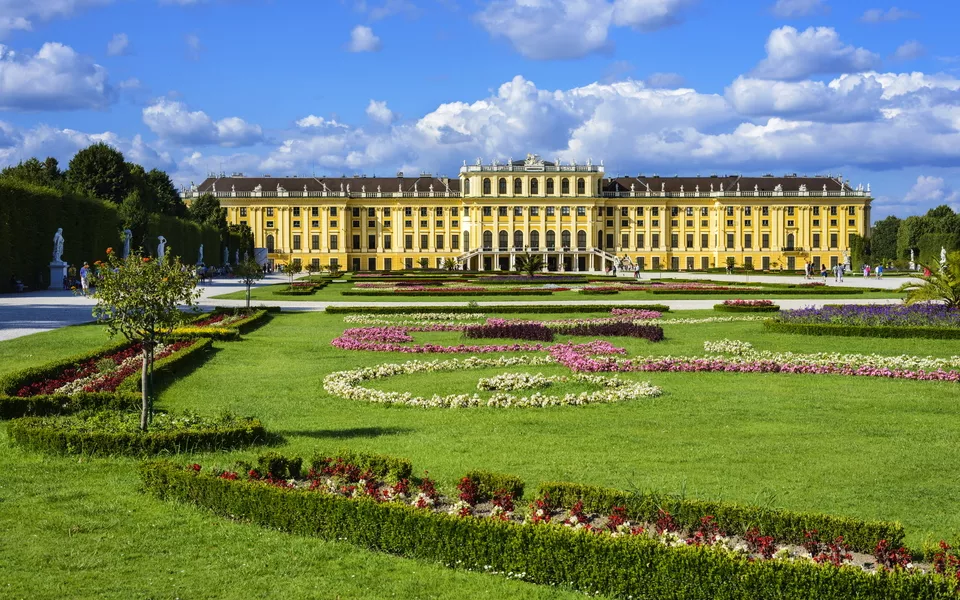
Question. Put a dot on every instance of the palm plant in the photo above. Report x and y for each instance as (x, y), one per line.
(942, 284)
(529, 263)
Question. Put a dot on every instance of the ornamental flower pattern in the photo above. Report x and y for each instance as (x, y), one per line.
(872, 315)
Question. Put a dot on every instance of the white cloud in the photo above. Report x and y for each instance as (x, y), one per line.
(665, 80)
(387, 8)
(792, 55)
(878, 15)
(378, 112)
(911, 50)
(194, 47)
(20, 14)
(55, 78)
(562, 29)
(173, 121)
(362, 39)
(932, 191)
(119, 45)
(315, 121)
(788, 9)
(812, 100)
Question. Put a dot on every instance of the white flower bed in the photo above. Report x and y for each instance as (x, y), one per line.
(704, 320)
(426, 318)
(508, 382)
(901, 362)
(727, 347)
(346, 384)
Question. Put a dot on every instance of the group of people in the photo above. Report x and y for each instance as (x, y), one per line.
(878, 271)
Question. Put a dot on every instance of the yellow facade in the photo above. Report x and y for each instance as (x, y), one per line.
(571, 214)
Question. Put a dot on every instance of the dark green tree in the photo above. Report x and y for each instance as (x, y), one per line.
(100, 171)
(165, 196)
(46, 173)
(136, 217)
(909, 234)
(941, 212)
(883, 242)
(206, 210)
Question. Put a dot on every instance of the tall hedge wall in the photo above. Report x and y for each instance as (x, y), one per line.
(30, 215)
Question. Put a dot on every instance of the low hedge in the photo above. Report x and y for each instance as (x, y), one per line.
(229, 332)
(877, 331)
(599, 292)
(450, 293)
(48, 434)
(813, 291)
(493, 308)
(383, 466)
(745, 309)
(169, 366)
(783, 525)
(489, 483)
(13, 407)
(623, 566)
(212, 332)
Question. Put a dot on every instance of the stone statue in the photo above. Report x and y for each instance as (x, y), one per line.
(913, 265)
(233, 190)
(756, 189)
(778, 188)
(161, 248)
(738, 187)
(711, 188)
(226, 255)
(127, 236)
(803, 187)
(663, 188)
(648, 187)
(721, 188)
(236, 256)
(341, 187)
(479, 161)
(214, 188)
(378, 187)
(363, 189)
(681, 188)
(824, 188)
(58, 246)
(258, 189)
(431, 188)
(633, 187)
(280, 189)
(943, 259)
(305, 189)
(200, 257)
(348, 188)
(697, 189)
(193, 187)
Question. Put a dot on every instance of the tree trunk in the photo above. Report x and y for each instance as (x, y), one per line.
(145, 389)
(248, 296)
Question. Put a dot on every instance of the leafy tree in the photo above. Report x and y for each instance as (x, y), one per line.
(135, 216)
(449, 264)
(333, 269)
(46, 173)
(883, 242)
(140, 298)
(100, 171)
(940, 285)
(249, 272)
(206, 210)
(941, 212)
(531, 264)
(859, 250)
(165, 197)
(292, 269)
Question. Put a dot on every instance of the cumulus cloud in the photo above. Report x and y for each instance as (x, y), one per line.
(932, 191)
(665, 80)
(55, 78)
(563, 29)
(794, 55)
(378, 112)
(119, 45)
(878, 15)
(813, 100)
(362, 39)
(315, 121)
(21, 14)
(173, 121)
(789, 9)
(911, 50)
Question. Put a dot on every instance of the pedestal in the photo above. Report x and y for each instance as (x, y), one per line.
(58, 270)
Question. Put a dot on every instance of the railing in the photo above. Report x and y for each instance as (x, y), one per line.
(742, 194)
(327, 194)
(532, 169)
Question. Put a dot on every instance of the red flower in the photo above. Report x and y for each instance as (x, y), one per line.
(195, 467)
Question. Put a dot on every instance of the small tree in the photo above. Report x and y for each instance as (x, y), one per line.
(313, 269)
(530, 264)
(140, 299)
(249, 272)
(424, 263)
(449, 264)
(943, 286)
(292, 269)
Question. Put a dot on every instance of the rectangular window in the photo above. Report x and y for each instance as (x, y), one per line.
(386, 224)
(487, 211)
(314, 211)
(386, 213)
(816, 222)
(609, 222)
(729, 211)
(729, 222)
(371, 242)
(565, 211)
(243, 212)
(407, 211)
(656, 263)
(833, 222)
(388, 242)
(454, 223)
(454, 212)
(333, 211)
(269, 224)
(372, 263)
(748, 223)
(314, 223)
(639, 222)
(689, 211)
(408, 223)
(455, 242)
(371, 212)
(408, 242)
(790, 223)
(269, 212)
(534, 211)
(333, 242)
(356, 211)
(439, 211)
(704, 211)
(296, 242)
(371, 223)
(423, 224)
(655, 211)
(704, 240)
(314, 242)
(423, 211)
(729, 241)
(624, 240)
(674, 211)
(655, 240)
(833, 240)
(689, 240)
(674, 240)
(624, 211)
(748, 262)
(624, 223)
(765, 211)
(316, 263)
(748, 240)
(833, 211)
(639, 211)
(816, 241)
(581, 211)
(765, 263)
(816, 211)
(655, 222)
(789, 211)
(408, 263)
(765, 241)
(356, 223)
(502, 211)
(440, 224)
(439, 241)
(689, 223)
(388, 264)
(296, 211)
(640, 241)
(296, 223)
(424, 241)
(518, 211)
(609, 211)
(852, 222)
(851, 210)
(551, 210)
(746, 211)
(356, 242)
(765, 223)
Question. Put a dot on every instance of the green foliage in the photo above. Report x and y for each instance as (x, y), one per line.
(885, 331)
(930, 245)
(489, 483)
(739, 309)
(736, 519)
(590, 292)
(939, 286)
(249, 272)
(883, 240)
(492, 308)
(625, 566)
(402, 292)
(859, 251)
(46, 173)
(784, 291)
(166, 199)
(206, 210)
(385, 467)
(531, 264)
(107, 433)
(424, 263)
(100, 171)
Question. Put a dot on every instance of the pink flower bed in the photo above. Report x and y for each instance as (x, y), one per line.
(748, 302)
(393, 339)
(636, 313)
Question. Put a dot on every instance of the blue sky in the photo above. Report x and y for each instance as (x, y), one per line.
(867, 89)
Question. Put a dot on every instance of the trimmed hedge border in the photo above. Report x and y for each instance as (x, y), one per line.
(231, 332)
(623, 566)
(764, 292)
(745, 309)
(489, 483)
(783, 525)
(450, 293)
(126, 397)
(33, 434)
(877, 331)
(493, 308)
(599, 292)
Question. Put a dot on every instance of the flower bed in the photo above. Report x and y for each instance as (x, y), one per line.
(616, 558)
(495, 308)
(934, 321)
(347, 385)
(116, 433)
(388, 339)
(812, 291)
(447, 292)
(746, 306)
(500, 329)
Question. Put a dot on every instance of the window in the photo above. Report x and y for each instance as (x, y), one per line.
(551, 211)
(581, 211)
(851, 210)
(674, 211)
(408, 242)
(624, 211)
(816, 211)
(333, 211)
(729, 211)
(689, 223)
(534, 210)
(243, 212)
(439, 241)
(356, 223)
(765, 211)
(852, 222)
(424, 241)
(639, 222)
(408, 223)
(314, 211)
(640, 241)
(746, 211)
(565, 239)
(748, 240)
(269, 212)
(356, 243)
(504, 239)
(624, 240)
(517, 186)
(296, 211)
(371, 242)
(816, 222)
(729, 222)
(689, 240)
(748, 262)
(704, 240)
(454, 242)
(438, 211)
(656, 262)
(296, 223)
(550, 186)
(655, 211)
(423, 211)
(333, 242)
(502, 186)
(704, 223)
(388, 242)
(789, 211)
(316, 223)
(655, 242)
(487, 240)
(674, 223)
(581, 239)
(356, 212)
(487, 211)
(296, 241)
(704, 211)
(407, 211)
(551, 240)
(609, 211)
(833, 211)
(466, 187)
(639, 211)
(314, 242)
(674, 240)
(790, 223)
(609, 222)
(729, 240)
(371, 223)
(455, 223)
(502, 211)
(624, 222)
(765, 223)
(439, 223)
(408, 263)
(466, 211)
(581, 186)
(816, 241)
(833, 240)
(518, 211)
(564, 211)
(655, 223)
(386, 224)
(765, 241)
(747, 223)
(486, 186)
(518, 239)
(833, 222)
(269, 224)
(689, 211)
(564, 186)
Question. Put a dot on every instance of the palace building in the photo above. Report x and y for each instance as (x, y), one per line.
(571, 214)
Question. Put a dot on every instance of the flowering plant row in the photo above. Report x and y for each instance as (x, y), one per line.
(896, 315)
(347, 384)
(740, 302)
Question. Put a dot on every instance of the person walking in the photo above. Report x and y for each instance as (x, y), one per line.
(85, 278)
(879, 271)
(823, 272)
(839, 273)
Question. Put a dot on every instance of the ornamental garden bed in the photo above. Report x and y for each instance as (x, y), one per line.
(935, 321)
(496, 308)
(593, 540)
(746, 306)
(769, 291)
(447, 292)
(222, 324)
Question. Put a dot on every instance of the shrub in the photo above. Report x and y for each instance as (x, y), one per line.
(601, 292)
(654, 333)
(381, 465)
(620, 566)
(889, 331)
(510, 331)
(811, 291)
(106, 433)
(489, 484)
(745, 308)
(783, 525)
(494, 308)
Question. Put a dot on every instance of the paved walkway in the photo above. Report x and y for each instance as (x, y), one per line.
(33, 312)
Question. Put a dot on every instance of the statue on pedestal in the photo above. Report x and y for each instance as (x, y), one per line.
(200, 257)
(943, 259)
(913, 265)
(127, 236)
(58, 246)
(161, 247)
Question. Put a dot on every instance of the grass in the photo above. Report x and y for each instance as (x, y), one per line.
(877, 449)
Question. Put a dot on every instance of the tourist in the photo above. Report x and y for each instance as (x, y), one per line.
(637, 273)
(614, 270)
(879, 271)
(823, 272)
(15, 284)
(866, 271)
(85, 277)
(839, 273)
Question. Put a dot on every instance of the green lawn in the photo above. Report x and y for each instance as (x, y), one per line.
(877, 449)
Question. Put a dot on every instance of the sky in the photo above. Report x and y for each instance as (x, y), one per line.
(866, 89)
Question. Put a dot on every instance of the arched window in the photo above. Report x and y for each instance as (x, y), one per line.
(502, 186)
(581, 186)
(466, 241)
(600, 240)
(564, 186)
(487, 240)
(466, 187)
(534, 186)
(551, 239)
(790, 239)
(565, 239)
(582, 239)
(518, 239)
(517, 186)
(270, 243)
(550, 186)
(486, 186)
(535, 240)
(504, 240)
